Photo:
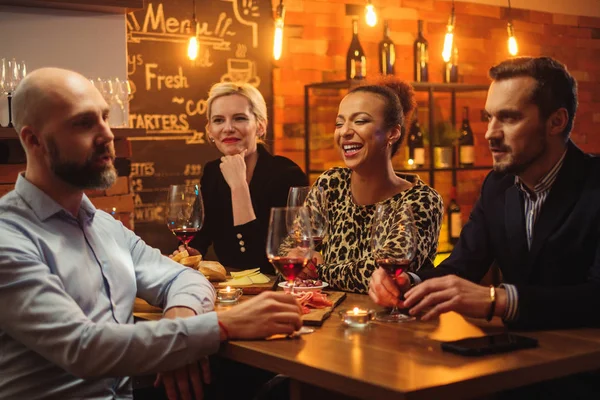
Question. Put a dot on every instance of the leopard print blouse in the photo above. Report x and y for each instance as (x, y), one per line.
(348, 262)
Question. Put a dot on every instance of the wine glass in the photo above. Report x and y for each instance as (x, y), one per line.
(314, 198)
(289, 241)
(393, 243)
(185, 211)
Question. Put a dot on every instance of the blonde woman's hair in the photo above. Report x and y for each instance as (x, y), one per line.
(258, 107)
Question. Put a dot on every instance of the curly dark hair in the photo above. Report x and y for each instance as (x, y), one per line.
(399, 97)
(555, 88)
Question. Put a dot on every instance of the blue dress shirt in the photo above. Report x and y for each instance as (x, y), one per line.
(67, 290)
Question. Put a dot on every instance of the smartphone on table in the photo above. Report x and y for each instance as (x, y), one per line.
(490, 344)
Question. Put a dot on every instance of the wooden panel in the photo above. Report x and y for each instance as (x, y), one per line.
(122, 203)
(120, 133)
(9, 172)
(5, 188)
(107, 6)
(123, 148)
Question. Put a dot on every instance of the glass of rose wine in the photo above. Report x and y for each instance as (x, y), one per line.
(393, 243)
(289, 241)
(185, 211)
(314, 198)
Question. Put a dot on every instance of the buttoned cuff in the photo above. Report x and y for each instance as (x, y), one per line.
(415, 278)
(512, 302)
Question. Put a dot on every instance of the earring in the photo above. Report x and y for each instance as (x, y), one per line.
(212, 140)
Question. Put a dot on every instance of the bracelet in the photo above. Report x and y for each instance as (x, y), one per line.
(492, 303)
(222, 326)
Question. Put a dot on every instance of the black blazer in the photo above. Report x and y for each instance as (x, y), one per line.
(558, 280)
(243, 246)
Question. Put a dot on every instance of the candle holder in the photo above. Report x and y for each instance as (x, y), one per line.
(229, 295)
(357, 317)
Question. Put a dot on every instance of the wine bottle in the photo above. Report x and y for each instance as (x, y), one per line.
(387, 52)
(466, 148)
(416, 148)
(451, 68)
(356, 62)
(421, 56)
(454, 218)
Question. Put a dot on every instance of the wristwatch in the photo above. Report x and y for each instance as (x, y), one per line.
(411, 280)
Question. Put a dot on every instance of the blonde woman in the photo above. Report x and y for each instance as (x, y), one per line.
(240, 188)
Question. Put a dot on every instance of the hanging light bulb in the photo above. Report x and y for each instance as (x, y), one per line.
(278, 38)
(449, 38)
(370, 14)
(513, 48)
(193, 45)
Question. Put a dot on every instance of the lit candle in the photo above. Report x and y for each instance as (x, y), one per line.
(357, 317)
(229, 295)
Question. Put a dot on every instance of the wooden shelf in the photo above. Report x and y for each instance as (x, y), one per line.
(120, 133)
(104, 6)
(418, 86)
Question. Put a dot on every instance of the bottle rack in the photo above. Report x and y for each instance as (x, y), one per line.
(430, 88)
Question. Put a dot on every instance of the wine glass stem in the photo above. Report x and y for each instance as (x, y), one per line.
(10, 124)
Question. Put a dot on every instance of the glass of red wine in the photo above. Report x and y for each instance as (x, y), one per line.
(314, 198)
(393, 243)
(185, 211)
(289, 241)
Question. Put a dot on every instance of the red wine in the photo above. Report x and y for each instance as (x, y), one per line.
(387, 52)
(289, 267)
(356, 61)
(466, 142)
(317, 241)
(421, 56)
(454, 218)
(393, 267)
(416, 147)
(185, 235)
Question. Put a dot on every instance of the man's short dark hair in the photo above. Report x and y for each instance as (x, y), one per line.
(555, 88)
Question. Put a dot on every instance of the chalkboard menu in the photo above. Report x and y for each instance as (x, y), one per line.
(169, 91)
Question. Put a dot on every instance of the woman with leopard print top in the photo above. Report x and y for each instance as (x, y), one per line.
(369, 130)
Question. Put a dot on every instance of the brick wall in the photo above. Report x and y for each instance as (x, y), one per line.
(318, 33)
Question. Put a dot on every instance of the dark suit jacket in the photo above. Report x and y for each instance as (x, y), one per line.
(558, 280)
(272, 178)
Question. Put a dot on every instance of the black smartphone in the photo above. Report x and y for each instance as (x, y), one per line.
(491, 344)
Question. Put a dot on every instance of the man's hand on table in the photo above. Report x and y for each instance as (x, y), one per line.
(177, 382)
(264, 315)
(451, 293)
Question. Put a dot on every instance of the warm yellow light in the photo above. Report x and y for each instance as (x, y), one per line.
(370, 14)
(278, 41)
(278, 37)
(448, 40)
(513, 48)
(192, 48)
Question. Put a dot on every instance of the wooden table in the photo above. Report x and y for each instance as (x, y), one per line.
(404, 361)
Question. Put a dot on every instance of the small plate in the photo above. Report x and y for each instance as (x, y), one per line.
(284, 285)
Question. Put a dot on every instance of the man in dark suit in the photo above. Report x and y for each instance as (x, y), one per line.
(537, 218)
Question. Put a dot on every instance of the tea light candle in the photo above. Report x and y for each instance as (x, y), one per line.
(357, 317)
(229, 295)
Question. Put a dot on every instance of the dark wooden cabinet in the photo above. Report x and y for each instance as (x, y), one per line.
(105, 6)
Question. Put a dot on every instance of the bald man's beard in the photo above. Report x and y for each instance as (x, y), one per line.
(86, 175)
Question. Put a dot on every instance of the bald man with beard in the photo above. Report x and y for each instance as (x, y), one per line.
(69, 273)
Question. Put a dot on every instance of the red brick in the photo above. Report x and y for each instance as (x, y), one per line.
(313, 7)
(540, 17)
(419, 4)
(477, 9)
(563, 19)
(591, 22)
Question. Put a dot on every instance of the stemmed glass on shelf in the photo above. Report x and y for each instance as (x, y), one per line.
(297, 197)
(289, 241)
(11, 73)
(393, 243)
(185, 212)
